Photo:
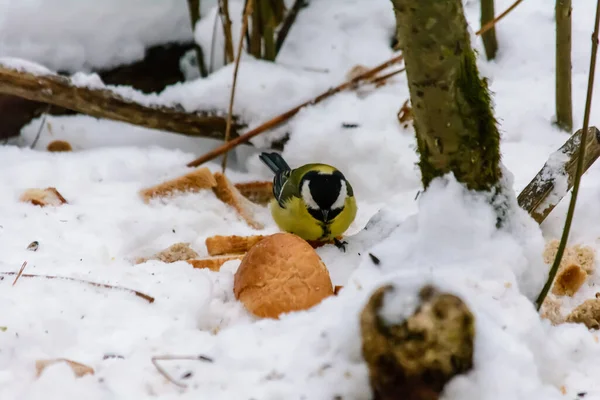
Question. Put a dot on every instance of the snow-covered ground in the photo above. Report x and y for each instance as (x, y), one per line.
(447, 236)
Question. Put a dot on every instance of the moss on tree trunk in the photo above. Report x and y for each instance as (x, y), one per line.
(453, 119)
(564, 107)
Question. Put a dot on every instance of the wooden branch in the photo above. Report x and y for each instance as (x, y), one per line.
(146, 297)
(289, 20)
(414, 359)
(492, 23)
(546, 190)
(366, 76)
(104, 103)
(158, 69)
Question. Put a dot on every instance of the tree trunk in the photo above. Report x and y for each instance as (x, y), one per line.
(564, 107)
(489, 38)
(453, 119)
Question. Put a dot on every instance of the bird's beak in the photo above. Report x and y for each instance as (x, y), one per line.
(325, 215)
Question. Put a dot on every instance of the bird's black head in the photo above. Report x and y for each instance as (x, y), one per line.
(324, 193)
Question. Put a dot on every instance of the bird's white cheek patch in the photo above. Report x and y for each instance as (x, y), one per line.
(341, 199)
(307, 196)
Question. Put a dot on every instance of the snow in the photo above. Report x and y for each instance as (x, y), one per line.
(445, 236)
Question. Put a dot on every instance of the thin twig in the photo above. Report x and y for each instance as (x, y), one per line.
(213, 44)
(366, 76)
(493, 22)
(578, 173)
(146, 297)
(247, 12)
(168, 377)
(289, 20)
(20, 272)
(39, 132)
(385, 77)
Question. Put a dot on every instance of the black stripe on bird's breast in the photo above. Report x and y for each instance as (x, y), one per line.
(318, 214)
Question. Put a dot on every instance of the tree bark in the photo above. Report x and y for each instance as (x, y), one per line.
(103, 103)
(544, 192)
(455, 127)
(414, 359)
(564, 105)
(490, 43)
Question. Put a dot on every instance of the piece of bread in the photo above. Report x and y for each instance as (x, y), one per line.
(175, 252)
(280, 274)
(228, 194)
(259, 192)
(43, 197)
(79, 369)
(59, 145)
(568, 280)
(587, 313)
(218, 245)
(584, 256)
(213, 263)
(199, 179)
(550, 310)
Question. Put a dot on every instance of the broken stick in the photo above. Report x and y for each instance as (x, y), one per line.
(278, 120)
(541, 195)
(415, 358)
(105, 103)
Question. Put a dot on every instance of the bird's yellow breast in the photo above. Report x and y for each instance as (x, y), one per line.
(296, 219)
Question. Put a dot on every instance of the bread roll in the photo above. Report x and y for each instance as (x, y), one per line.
(281, 273)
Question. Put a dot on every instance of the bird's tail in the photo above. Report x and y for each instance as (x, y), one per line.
(274, 161)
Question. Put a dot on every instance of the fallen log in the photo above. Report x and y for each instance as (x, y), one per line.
(158, 69)
(555, 179)
(105, 103)
(414, 359)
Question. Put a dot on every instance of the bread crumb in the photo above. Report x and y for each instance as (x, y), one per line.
(587, 313)
(43, 197)
(577, 263)
(59, 145)
(584, 256)
(174, 253)
(192, 182)
(551, 311)
(230, 195)
(218, 245)
(213, 263)
(79, 369)
(259, 192)
(568, 280)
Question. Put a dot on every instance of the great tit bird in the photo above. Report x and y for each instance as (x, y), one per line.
(314, 201)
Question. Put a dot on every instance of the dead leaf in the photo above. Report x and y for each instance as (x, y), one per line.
(405, 114)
